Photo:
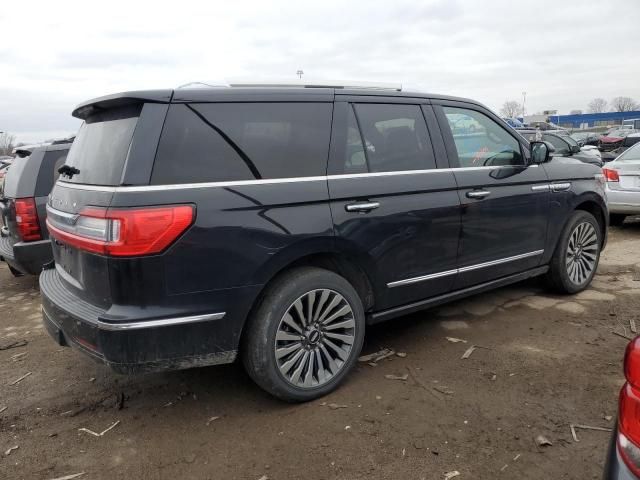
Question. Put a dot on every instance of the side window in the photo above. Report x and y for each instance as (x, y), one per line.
(48, 173)
(242, 141)
(480, 141)
(562, 147)
(355, 159)
(395, 137)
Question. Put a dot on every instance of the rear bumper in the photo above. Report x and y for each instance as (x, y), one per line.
(132, 345)
(26, 257)
(621, 201)
(615, 468)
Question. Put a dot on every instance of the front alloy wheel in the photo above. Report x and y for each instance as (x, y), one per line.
(582, 253)
(314, 338)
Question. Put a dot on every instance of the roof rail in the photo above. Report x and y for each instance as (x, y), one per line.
(317, 84)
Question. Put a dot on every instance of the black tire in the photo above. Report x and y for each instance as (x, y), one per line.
(559, 276)
(260, 344)
(616, 219)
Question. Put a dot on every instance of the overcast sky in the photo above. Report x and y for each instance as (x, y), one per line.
(563, 53)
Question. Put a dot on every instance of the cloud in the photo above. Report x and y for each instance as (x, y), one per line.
(562, 54)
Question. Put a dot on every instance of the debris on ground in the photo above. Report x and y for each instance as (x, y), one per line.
(444, 390)
(397, 377)
(263, 477)
(16, 344)
(212, 419)
(2, 409)
(17, 356)
(91, 432)
(11, 449)
(69, 477)
(608, 418)
(419, 381)
(632, 325)
(336, 406)
(543, 441)
(401, 354)
(468, 353)
(450, 475)
(456, 340)
(377, 356)
(573, 428)
(18, 380)
(623, 335)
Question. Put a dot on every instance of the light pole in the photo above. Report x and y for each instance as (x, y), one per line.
(524, 100)
(300, 73)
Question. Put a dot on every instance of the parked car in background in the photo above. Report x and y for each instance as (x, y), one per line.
(622, 177)
(24, 239)
(4, 166)
(565, 146)
(586, 138)
(546, 126)
(616, 142)
(623, 458)
(294, 217)
(631, 123)
(514, 122)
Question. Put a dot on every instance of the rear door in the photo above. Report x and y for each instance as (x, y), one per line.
(504, 200)
(392, 207)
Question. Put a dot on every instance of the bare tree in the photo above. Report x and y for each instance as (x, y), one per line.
(624, 104)
(575, 112)
(511, 109)
(6, 143)
(597, 105)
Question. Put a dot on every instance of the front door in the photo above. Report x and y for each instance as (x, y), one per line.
(504, 200)
(392, 208)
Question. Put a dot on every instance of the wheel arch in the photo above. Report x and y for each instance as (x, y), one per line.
(594, 207)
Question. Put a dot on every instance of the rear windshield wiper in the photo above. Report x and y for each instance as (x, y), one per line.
(68, 170)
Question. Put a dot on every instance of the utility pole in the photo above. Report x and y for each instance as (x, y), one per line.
(524, 100)
(300, 73)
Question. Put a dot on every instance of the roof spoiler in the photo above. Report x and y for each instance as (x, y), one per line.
(90, 107)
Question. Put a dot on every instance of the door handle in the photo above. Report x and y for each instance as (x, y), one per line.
(480, 194)
(362, 206)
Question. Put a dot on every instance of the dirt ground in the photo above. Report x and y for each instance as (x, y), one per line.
(548, 362)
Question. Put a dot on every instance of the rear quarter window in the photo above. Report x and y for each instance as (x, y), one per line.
(48, 173)
(242, 141)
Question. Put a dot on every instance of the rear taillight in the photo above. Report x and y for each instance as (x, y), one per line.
(629, 409)
(27, 219)
(124, 232)
(610, 175)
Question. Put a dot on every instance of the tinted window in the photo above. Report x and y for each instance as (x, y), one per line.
(100, 149)
(480, 141)
(559, 144)
(395, 136)
(48, 173)
(243, 141)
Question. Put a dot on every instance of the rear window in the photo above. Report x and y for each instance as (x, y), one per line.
(242, 141)
(100, 149)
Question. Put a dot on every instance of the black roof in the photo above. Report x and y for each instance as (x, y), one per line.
(231, 94)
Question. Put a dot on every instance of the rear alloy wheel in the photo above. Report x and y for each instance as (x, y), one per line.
(305, 335)
(576, 257)
(314, 338)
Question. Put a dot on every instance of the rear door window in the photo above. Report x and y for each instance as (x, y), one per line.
(395, 138)
(100, 149)
(218, 142)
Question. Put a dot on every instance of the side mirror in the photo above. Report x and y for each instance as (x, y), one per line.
(575, 148)
(541, 151)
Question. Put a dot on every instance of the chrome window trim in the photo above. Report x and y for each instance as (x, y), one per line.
(469, 268)
(164, 322)
(422, 278)
(271, 181)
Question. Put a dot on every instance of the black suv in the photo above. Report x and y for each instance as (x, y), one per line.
(24, 240)
(195, 225)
